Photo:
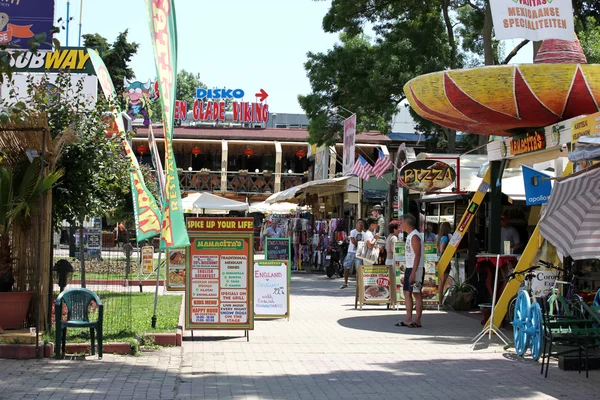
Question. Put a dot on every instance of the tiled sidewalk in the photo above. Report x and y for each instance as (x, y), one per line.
(327, 350)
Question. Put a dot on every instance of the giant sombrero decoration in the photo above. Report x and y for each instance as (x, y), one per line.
(509, 99)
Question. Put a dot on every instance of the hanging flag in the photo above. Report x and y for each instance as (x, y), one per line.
(146, 210)
(163, 30)
(349, 143)
(381, 165)
(361, 168)
(155, 155)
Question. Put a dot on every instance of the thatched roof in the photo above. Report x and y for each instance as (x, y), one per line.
(17, 136)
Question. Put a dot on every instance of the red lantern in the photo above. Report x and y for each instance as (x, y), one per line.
(196, 151)
(142, 149)
(300, 154)
(248, 152)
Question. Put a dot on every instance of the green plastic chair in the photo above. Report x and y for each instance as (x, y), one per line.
(78, 302)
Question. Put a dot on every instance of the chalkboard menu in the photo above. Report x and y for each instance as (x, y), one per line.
(278, 249)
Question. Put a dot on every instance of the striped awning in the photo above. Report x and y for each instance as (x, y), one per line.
(571, 221)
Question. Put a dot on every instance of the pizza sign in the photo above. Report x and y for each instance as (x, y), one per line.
(426, 175)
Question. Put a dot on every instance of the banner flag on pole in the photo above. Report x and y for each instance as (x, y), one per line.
(381, 165)
(163, 30)
(155, 155)
(147, 213)
(349, 142)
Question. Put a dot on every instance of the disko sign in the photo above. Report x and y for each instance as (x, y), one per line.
(211, 105)
(527, 144)
(426, 175)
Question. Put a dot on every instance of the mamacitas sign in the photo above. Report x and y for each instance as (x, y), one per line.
(212, 104)
(426, 175)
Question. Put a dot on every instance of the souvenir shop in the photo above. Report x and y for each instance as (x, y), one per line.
(310, 237)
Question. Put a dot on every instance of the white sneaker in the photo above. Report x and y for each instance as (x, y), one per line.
(344, 286)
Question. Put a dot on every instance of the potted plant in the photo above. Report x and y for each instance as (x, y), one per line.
(19, 195)
(267, 173)
(460, 294)
(204, 171)
(179, 171)
(243, 172)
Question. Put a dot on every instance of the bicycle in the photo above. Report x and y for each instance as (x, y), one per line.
(527, 319)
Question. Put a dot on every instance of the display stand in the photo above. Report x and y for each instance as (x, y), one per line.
(490, 327)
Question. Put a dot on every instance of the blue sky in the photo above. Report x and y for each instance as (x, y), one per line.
(235, 43)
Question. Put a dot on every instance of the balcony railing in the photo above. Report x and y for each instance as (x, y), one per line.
(291, 180)
(197, 181)
(250, 182)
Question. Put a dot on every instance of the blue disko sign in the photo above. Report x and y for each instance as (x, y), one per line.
(537, 189)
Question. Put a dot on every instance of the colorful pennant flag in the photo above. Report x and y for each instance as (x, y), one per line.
(381, 165)
(147, 213)
(163, 30)
(155, 155)
(361, 168)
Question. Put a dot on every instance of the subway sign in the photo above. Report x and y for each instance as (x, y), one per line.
(73, 59)
(211, 105)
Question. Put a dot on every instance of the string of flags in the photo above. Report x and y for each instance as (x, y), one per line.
(363, 169)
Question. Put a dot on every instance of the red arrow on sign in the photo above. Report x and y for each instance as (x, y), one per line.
(262, 95)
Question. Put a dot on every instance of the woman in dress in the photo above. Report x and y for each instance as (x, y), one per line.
(443, 239)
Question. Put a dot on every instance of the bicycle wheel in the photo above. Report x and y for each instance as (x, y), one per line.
(520, 322)
(510, 313)
(535, 332)
(576, 307)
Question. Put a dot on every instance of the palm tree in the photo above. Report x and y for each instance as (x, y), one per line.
(19, 195)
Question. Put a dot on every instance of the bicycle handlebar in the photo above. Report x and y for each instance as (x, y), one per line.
(526, 271)
(550, 265)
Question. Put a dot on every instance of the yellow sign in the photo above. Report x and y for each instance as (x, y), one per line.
(585, 126)
(147, 260)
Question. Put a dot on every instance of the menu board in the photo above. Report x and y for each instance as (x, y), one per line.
(375, 284)
(277, 249)
(219, 274)
(176, 266)
(430, 282)
(400, 267)
(271, 289)
(147, 261)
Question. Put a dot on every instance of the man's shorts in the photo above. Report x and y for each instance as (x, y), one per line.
(419, 279)
(349, 260)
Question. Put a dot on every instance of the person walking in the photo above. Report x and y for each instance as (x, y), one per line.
(442, 242)
(356, 235)
(415, 272)
(376, 213)
(390, 242)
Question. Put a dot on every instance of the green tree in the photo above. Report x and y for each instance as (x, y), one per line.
(116, 56)
(187, 83)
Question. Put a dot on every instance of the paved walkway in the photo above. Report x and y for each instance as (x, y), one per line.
(327, 350)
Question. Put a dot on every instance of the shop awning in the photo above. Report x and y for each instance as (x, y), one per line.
(207, 203)
(572, 216)
(321, 187)
(275, 208)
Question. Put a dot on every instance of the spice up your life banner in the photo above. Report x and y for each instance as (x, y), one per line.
(161, 19)
(146, 211)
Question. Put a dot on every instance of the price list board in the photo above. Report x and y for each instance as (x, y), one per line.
(219, 275)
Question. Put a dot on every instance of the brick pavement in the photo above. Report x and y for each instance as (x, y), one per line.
(327, 350)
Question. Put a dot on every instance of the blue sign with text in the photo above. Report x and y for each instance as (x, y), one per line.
(537, 186)
(21, 20)
(202, 93)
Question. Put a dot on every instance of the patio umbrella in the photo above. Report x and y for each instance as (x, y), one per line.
(572, 218)
(207, 203)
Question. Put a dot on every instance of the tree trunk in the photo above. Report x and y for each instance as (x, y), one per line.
(451, 138)
(82, 253)
(488, 55)
(488, 47)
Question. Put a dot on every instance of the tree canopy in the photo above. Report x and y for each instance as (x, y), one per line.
(116, 56)
(385, 43)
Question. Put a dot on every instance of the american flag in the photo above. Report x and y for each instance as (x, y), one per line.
(361, 168)
(382, 165)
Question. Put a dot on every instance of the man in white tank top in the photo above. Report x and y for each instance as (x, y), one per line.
(415, 272)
